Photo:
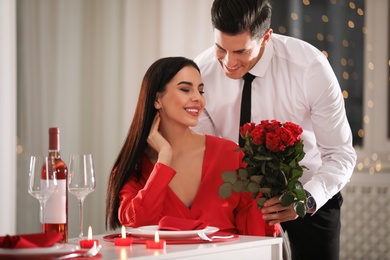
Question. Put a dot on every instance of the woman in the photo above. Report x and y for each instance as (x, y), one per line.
(166, 169)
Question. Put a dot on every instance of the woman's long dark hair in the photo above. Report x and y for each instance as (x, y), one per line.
(129, 160)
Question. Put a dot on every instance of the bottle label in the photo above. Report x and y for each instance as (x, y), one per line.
(55, 207)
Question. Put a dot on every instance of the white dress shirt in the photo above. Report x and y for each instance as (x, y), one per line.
(294, 83)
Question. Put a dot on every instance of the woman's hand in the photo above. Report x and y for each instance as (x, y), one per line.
(159, 143)
(274, 212)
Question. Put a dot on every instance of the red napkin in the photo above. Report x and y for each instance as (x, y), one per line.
(30, 240)
(175, 223)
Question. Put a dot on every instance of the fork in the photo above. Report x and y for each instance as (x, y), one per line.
(91, 252)
(203, 236)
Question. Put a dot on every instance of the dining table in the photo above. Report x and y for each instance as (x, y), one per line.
(243, 247)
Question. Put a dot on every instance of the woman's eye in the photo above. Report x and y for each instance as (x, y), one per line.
(184, 89)
(201, 92)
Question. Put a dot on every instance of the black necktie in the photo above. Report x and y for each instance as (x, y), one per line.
(245, 114)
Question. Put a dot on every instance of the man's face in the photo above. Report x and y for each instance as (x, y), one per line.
(237, 54)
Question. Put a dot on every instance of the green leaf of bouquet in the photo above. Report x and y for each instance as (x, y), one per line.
(265, 190)
(243, 173)
(262, 158)
(300, 157)
(225, 190)
(299, 194)
(237, 186)
(299, 208)
(284, 167)
(229, 176)
(263, 171)
(273, 166)
(247, 145)
(245, 187)
(253, 187)
(286, 199)
(299, 147)
(292, 181)
(293, 164)
(297, 173)
(257, 178)
(260, 202)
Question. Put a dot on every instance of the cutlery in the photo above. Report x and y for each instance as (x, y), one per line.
(91, 252)
(203, 236)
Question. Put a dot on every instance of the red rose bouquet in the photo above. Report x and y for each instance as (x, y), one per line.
(272, 154)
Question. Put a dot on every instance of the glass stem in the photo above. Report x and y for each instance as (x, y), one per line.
(81, 201)
(42, 215)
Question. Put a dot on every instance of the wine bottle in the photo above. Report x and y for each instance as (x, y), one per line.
(56, 208)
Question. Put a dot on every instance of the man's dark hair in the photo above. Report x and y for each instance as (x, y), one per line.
(238, 16)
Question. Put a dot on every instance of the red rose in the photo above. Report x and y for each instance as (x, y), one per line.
(286, 136)
(258, 135)
(295, 129)
(273, 142)
(271, 126)
(248, 127)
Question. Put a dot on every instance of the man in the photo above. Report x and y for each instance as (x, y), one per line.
(293, 82)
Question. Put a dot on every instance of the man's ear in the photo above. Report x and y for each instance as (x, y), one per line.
(266, 37)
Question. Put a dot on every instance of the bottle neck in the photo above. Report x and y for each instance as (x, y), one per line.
(54, 142)
(54, 153)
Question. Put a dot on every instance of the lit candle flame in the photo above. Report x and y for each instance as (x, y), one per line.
(90, 233)
(123, 232)
(156, 237)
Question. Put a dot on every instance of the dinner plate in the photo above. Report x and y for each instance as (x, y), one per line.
(56, 249)
(149, 231)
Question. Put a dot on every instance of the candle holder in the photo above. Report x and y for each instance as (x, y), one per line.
(123, 240)
(88, 243)
(156, 243)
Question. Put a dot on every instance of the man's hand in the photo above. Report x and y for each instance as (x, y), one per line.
(275, 213)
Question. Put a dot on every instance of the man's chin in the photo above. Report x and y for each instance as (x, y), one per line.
(234, 75)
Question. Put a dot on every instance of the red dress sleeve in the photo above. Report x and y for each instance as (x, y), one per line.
(141, 203)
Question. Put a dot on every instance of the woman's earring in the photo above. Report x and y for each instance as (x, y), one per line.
(156, 105)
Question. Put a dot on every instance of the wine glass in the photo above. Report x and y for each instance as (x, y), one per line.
(42, 182)
(81, 181)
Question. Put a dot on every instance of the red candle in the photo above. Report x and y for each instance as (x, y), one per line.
(156, 243)
(123, 241)
(89, 242)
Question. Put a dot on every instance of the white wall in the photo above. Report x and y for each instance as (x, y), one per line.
(8, 116)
